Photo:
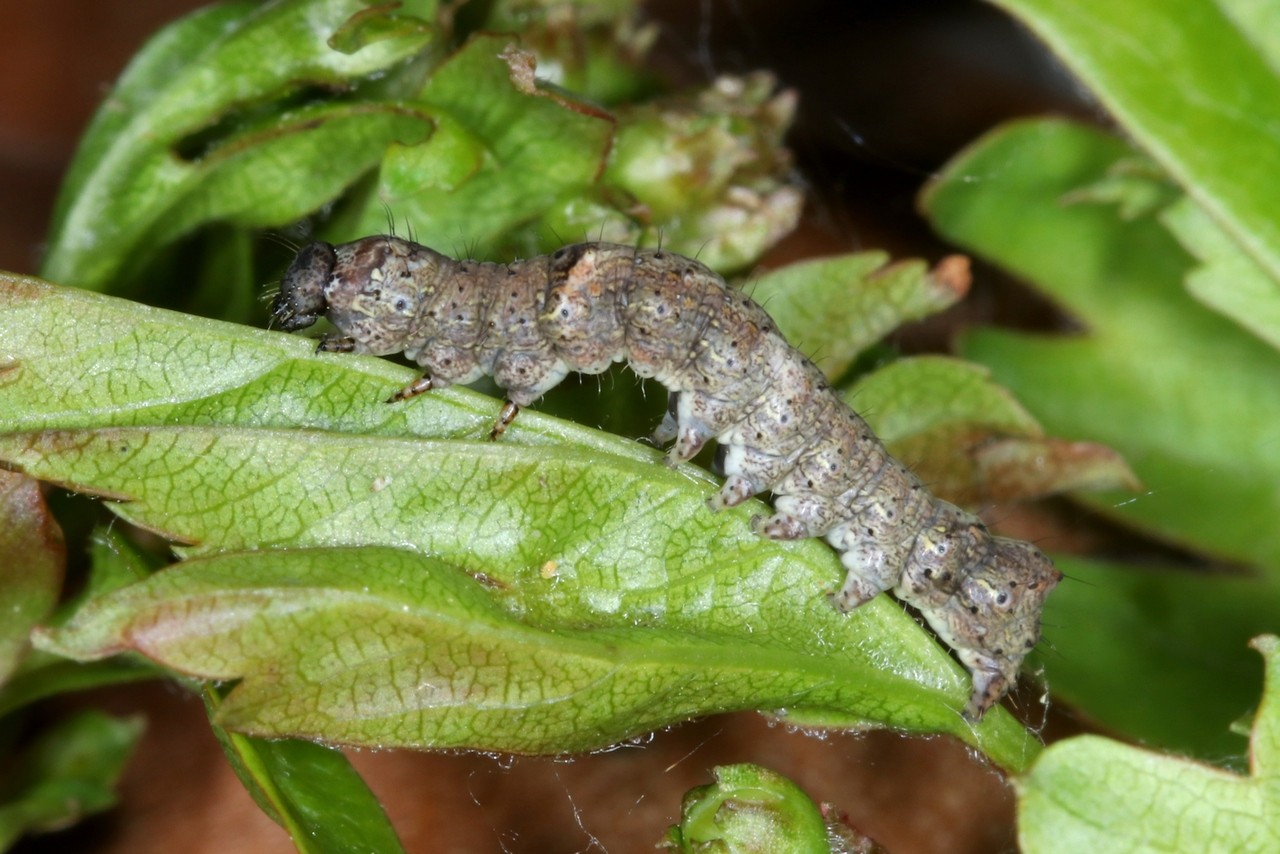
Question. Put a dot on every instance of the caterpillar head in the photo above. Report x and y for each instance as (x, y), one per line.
(301, 301)
(993, 620)
(369, 290)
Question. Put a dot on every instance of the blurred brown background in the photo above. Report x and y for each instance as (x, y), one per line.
(888, 92)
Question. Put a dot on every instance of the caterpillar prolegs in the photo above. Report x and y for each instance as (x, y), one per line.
(731, 376)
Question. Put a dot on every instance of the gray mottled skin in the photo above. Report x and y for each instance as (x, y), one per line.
(732, 377)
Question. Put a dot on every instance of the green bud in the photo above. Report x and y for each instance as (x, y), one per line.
(708, 172)
(748, 810)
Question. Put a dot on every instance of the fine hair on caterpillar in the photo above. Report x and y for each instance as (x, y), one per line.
(731, 377)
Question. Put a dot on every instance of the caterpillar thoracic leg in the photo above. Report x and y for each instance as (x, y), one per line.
(421, 385)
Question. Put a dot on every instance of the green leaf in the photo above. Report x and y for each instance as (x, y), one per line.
(749, 810)
(308, 789)
(280, 170)
(1258, 20)
(929, 395)
(1158, 655)
(500, 159)
(130, 173)
(834, 308)
(380, 22)
(1093, 794)
(69, 772)
(32, 556)
(247, 439)
(1184, 395)
(1191, 89)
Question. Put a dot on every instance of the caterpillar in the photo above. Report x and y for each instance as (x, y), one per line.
(731, 376)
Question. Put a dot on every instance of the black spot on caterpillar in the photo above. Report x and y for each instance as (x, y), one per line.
(731, 376)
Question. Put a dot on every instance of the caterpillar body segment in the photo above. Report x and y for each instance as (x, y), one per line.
(732, 378)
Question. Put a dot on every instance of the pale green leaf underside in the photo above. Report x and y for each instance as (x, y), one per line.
(933, 393)
(379, 646)
(232, 438)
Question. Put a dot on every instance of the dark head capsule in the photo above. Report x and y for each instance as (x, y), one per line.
(301, 301)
